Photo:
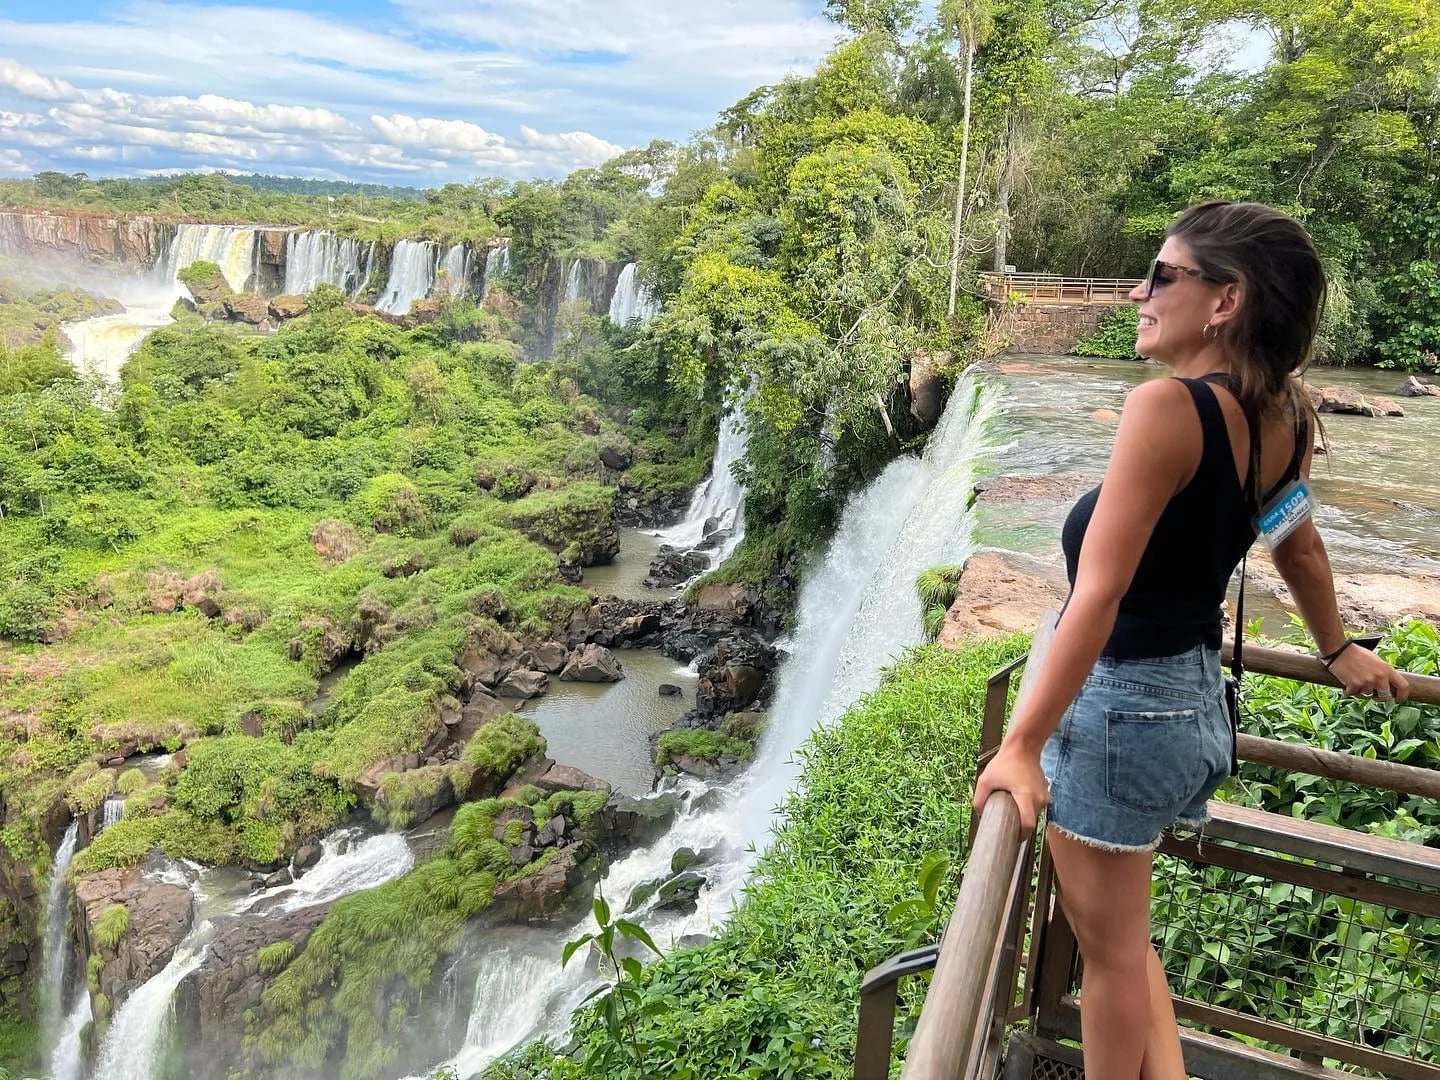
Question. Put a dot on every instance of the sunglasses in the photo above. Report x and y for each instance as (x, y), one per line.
(1156, 275)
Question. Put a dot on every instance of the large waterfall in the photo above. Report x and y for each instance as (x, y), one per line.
(233, 248)
(412, 276)
(57, 946)
(631, 300)
(497, 265)
(319, 256)
(719, 500)
(858, 610)
(456, 264)
(136, 1039)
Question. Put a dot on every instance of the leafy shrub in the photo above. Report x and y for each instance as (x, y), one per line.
(390, 503)
(131, 781)
(1114, 337)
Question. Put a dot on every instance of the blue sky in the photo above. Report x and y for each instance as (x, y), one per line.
(396, 91)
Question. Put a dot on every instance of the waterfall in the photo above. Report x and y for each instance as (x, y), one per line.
(456, 264)
(347, 864)
(114, 810)
(67, 1060)
(858, 610)
(412, 276)
(497, 265)
(316, 256)
(135, 1041)
(57, 948)
(719, 498)
(574, 281)
(232, 247)
(514, 988)
(631, 300)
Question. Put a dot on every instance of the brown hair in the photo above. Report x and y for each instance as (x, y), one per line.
(1271, 336)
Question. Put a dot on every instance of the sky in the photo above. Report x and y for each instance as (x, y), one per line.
(416, 92)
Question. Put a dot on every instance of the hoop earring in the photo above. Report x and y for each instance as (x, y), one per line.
(1210, 333)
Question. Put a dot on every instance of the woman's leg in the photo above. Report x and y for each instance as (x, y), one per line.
(1163, 1059)
(1106, 897)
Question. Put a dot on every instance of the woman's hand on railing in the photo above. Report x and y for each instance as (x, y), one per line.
(1016, 770)
(1363, 674)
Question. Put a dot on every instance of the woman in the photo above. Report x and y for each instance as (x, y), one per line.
(1125, 731)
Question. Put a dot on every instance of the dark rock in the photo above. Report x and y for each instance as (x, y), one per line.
(566, 778)
(1385, 407)
(693, 941)
(524, 684)
(246, 308)
(637, 820)
(683, 859)
(250, 724)
(1416, 387)
(592, 663)
(159, 918)
(278, 878)
(680, 892)
(549, 656)
(670, 690)
(694, 766)
(306, 856)
(212, 1002)
(672, 567)
(483, 666)
(288, 306)
(615, 458)
(542, 895)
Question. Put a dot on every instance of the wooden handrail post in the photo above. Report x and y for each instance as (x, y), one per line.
(949, 1024)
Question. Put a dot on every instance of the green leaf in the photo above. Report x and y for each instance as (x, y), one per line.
(602, 911)
(636, 932)
(572, 946)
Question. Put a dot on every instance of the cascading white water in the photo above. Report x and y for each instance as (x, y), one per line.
(497, 265)
(114, 810)
(362, 865)
(319, 256)
(858, 610)
(232, 247)
(456, 264)
(631, 300)
(572, 283)
(719, 497)
(57, 951)
(513, 988)
(135, 1040)
(67, 1059)
(412, 276)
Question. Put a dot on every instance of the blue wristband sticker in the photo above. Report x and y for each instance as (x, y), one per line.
(1285, 513)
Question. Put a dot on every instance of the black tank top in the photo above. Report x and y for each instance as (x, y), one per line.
(1174, 601)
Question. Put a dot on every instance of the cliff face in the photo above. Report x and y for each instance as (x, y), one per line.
(135, 242)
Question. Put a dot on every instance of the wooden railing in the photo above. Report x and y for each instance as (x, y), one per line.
(980, 986)
(1058, 289)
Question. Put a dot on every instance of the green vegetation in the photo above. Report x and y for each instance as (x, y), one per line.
(1114, 338)
(32, 316)
(114, 921)
(937, 588)
(700, 743)
(275, 956)
(378, 949)
(310, 486)
(774, 994)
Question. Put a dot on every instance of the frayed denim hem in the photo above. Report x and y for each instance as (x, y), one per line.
(1105, 845)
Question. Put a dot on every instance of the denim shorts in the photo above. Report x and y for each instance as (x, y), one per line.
(1144, 746)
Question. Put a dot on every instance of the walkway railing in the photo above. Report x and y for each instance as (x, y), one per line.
(1236, 917)
(1058, 289)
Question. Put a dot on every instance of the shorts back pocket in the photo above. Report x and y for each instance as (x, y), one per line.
(1153, 760)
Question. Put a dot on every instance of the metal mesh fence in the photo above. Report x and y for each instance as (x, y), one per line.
(1310, 960)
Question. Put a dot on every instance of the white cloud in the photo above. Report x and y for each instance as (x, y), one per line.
(31, 84)
(431, 89)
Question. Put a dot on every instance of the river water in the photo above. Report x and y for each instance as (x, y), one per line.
(1378, 488)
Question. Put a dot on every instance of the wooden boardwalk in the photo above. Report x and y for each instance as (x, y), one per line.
(1056, 289)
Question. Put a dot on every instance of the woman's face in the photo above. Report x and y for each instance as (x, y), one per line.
(1173, 317)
